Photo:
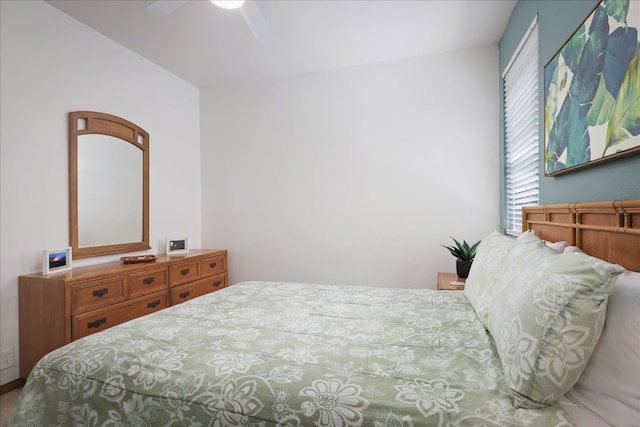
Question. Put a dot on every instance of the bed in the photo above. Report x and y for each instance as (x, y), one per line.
(264, 354)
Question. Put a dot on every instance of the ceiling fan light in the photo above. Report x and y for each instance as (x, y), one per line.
(228, 4)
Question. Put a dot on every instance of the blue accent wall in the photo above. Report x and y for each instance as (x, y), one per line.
(557, 20)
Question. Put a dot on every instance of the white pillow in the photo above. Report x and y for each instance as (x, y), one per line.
(481, 283)
(557, 247)
(573, 250)
(609, 385)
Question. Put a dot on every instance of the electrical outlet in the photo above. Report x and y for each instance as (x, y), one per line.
(6, 359)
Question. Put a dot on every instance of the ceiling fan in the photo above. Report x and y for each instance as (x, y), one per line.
(248, 9)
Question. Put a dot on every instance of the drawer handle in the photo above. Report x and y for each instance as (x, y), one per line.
(96, 323)
(100, 292)
(184, 271)
(184, 294)
(148, 280)
(153, 304)
(213, 265)
(217, 283)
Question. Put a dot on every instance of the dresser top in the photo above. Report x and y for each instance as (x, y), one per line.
(117, 267)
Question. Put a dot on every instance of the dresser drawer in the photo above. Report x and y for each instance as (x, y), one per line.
(189, 291)
(182, 273)
(213, 265)
(98, 293)
(89, 323)
(147, 282)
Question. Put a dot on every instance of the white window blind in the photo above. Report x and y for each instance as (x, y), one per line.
(520, 82)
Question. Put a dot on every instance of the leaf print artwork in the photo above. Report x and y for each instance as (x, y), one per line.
(625, 115)
(592, 90)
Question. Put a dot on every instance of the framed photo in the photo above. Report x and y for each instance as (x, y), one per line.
(177, 246)
(54, 261)
(592, 89)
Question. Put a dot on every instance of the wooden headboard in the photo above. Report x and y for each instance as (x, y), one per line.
(608, 230)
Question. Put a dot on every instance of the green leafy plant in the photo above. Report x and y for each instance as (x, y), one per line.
(462, 251)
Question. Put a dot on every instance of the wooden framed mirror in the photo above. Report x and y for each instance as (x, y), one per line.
(108, 185)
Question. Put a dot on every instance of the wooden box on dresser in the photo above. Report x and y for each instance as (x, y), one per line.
(59, 308)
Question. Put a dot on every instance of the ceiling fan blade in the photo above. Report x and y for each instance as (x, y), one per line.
(165, 7)
(255, 20)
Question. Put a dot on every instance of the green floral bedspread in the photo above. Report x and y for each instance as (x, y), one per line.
(264, 354)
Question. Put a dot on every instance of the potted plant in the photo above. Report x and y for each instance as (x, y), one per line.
(464, 254)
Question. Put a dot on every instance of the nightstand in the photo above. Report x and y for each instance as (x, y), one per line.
(445, 279)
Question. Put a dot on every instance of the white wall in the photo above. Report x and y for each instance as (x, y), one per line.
(353, 176)
(51, 64)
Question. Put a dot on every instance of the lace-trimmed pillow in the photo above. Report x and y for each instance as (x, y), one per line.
(546, 318)
(481, 283)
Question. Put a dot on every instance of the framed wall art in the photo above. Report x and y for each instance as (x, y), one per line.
(56, 260)
(177, 246)
(592, 91)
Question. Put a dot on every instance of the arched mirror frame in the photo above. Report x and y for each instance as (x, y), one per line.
(90, 122)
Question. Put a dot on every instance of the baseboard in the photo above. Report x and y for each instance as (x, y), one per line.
(12, 385)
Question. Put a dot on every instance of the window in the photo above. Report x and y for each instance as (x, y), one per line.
(520, 84)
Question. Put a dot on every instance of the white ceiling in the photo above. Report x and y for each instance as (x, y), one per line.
(209, 46)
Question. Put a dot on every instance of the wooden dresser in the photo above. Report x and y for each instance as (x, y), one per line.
(59, 308)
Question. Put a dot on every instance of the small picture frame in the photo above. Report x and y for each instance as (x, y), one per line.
(177, 246)
(56, 260)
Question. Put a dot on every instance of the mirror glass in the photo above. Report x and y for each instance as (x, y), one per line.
(108, 185)
(109, 191)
